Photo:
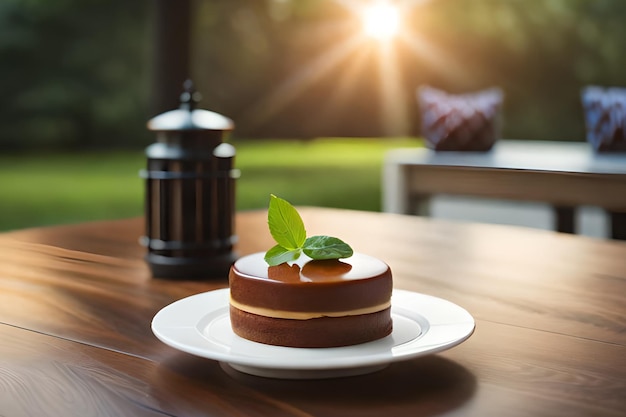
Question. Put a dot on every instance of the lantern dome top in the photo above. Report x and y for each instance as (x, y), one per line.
(187, 117)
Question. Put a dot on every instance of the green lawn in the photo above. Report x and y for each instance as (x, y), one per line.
(66, 188)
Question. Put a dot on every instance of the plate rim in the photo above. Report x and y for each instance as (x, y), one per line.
(190, 326)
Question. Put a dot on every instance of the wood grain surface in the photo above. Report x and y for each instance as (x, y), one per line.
(76, 304)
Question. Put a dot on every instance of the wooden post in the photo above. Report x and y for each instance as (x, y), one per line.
(172, 53)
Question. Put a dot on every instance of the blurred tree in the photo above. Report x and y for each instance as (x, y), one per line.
(74, 73)
(77, 73)
(274, 65)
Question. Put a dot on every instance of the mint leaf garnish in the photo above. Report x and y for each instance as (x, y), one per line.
(326, 247)
(287, 229)
(286, 226)
(278, 255)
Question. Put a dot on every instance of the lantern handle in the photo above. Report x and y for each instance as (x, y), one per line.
(190, 98)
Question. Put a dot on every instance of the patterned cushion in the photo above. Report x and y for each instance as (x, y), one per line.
(463, 122)
(605, 117)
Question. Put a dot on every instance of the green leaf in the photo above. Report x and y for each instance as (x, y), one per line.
(286, 226)
(278, 255)
(287, 229)
(326, 247)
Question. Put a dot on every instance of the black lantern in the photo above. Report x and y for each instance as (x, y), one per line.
(190, 193)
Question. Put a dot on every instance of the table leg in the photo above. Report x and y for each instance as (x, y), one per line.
(618, 224)
(565, 219)
(419, 205)
(394, 189)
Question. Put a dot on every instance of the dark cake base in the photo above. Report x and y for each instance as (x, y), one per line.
(313, 333)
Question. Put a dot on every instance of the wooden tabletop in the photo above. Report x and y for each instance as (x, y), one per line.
(569, 157)
(557, 173)
(76, 304)
(565, 175)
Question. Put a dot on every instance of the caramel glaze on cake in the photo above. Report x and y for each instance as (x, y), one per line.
(311, 303)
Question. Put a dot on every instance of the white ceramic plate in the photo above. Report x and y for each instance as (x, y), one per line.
(422, 324)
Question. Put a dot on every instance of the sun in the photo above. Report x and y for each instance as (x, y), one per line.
(381, 20)
(383, 32)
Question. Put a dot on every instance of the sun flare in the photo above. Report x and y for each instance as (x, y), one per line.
(383, 34)
(381, 20)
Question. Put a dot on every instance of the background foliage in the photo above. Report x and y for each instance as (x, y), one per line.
(71, 187)
(75, 73)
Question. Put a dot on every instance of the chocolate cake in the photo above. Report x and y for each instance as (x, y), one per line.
(311, 303)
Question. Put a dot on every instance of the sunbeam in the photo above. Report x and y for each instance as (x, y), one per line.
(435, 57)
(347, 82)
(312, 71)
(395, 117)
(379, 36)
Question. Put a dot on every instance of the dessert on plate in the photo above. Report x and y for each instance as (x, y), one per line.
(309, 292)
